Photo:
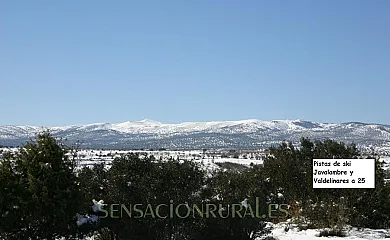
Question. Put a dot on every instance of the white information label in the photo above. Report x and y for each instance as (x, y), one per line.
(343, 173)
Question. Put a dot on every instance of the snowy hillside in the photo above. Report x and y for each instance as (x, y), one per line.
(250, 133)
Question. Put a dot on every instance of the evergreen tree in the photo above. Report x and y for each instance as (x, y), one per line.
(39, 193)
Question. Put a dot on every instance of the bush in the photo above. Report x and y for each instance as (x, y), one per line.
(332, 233)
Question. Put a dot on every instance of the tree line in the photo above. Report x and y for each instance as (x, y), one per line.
(42, 191)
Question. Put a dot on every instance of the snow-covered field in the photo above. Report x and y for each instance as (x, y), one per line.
(293, 233)
(90, 157)
(87, 157)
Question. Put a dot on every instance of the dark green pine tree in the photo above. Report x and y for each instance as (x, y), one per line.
(41, 196)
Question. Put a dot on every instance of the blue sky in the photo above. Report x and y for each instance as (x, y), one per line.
(75, 62)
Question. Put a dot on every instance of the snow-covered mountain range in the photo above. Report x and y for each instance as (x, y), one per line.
(250, 133)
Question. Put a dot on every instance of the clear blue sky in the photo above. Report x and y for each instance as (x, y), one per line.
(76, 62)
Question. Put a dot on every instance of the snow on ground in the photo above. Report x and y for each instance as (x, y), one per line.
(293, 234)
(91, 157)
(312, 234)
(209, 159)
